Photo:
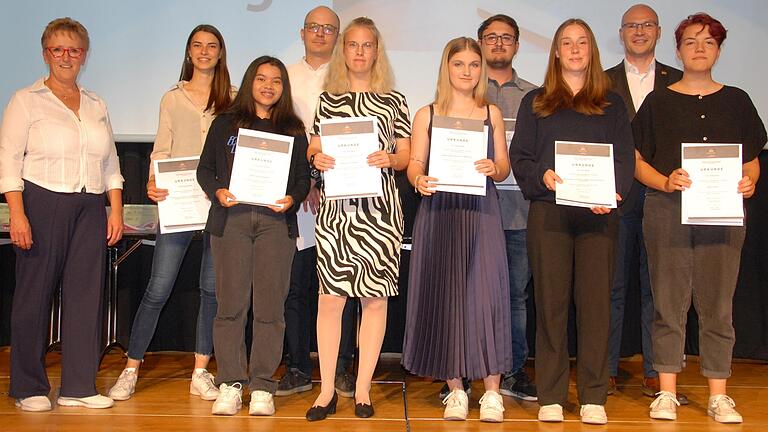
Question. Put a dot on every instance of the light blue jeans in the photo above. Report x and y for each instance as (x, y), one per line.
(170, 249)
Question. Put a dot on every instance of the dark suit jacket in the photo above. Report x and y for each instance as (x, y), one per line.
(665, 76)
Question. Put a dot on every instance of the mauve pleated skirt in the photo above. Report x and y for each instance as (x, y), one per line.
(458, 318)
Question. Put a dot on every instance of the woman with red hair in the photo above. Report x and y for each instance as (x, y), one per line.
(693, 262)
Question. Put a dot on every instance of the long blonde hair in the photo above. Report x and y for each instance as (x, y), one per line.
(337, 80)
(443, 94)
(591, 99)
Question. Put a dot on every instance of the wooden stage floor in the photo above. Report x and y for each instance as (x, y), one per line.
(403, 403)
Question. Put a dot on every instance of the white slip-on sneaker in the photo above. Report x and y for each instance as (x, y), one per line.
(723, 409)
(125, 385)
(551, 413)
(230, 399)
(491, 407)
(664, 407)
(34, 403)
(456, 405)
(593, 414)
(262, 404)
(96, 401)
(202, 385)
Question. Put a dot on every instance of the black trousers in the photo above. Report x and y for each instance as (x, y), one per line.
(69, 233)
(299, 318)
(571, 251)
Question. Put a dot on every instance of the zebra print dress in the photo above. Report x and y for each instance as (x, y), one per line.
(358, 240)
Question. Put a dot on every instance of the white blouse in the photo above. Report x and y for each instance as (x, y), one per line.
(43, 141)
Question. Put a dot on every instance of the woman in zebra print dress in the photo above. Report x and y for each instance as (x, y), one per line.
(358, 240)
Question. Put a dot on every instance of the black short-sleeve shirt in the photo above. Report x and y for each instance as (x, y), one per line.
(668, 118)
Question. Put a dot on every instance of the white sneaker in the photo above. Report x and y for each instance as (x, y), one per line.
(96, 401)
(593, 414)
(551, 413)
(456, 405)
(202, 385)
(230, 400)
(664, 407)
(491, 407)
(262, 404)
(125, 385)
(34, 403)
(723, 409)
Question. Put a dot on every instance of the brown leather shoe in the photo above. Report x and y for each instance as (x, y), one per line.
(651, 388)
(611, 385)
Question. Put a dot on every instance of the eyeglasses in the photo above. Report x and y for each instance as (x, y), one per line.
(648, 25)
(58, 52)
(493, 39)
(328, 29)
(354, 46)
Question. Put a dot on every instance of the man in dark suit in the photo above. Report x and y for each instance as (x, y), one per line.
(633, 78)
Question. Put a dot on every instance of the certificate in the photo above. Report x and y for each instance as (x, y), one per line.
(186, 206)
(587, 173)
(349, 141)
(509, 183)
(713, 197)
(261, 166)
(456, 144)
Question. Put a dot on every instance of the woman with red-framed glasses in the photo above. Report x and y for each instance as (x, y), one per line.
(57, 162)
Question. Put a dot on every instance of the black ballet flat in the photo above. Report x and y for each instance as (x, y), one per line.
(363, 410)
(321, 412)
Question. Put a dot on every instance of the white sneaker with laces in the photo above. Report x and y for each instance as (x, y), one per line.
(723, 409)
(664, 407)
(96, 401)
(125, 385)
(202, 385)
(491, 407)
(551, 413)
(230, 400)
(593, 414)
(456, 405)
(34, 403)
(262, 404)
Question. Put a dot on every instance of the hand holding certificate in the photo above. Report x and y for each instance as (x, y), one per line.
(260, 169)
(509, 183)
(349, 141)
(712, 197)
(455, 146)
(185, 207)
(587, 172)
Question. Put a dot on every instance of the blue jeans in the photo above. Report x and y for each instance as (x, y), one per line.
(169, 253)
(630, 251)
(519, 275)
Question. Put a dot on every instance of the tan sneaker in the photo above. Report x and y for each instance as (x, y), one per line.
(202, 385)
(723, 409)
(125, 385)
(664, 407)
